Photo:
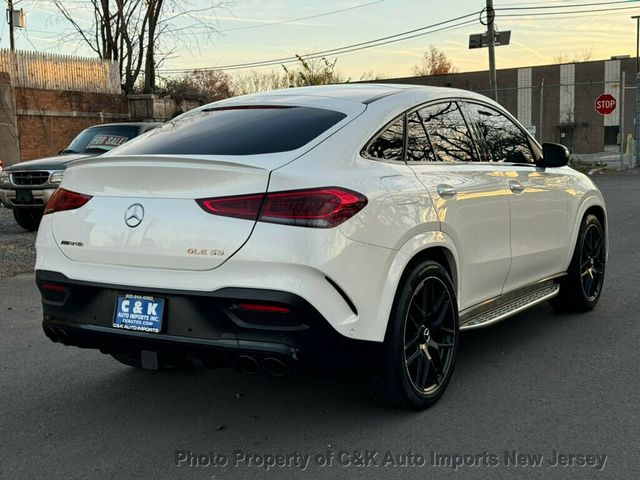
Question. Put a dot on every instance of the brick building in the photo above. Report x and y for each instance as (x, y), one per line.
(46, 100)
(48, 120)
(557, 102)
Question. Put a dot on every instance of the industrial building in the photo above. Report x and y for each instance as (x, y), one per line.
(557, 103)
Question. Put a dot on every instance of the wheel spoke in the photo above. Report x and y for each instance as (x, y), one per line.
(426, 303)
(423, 373)
(412, 342)
(415, 323)
(588, 241)
(443, 311)
(415, 355)
(597, 245)
(437, 363)
(422, 313)
(438, 304)
(588, 285)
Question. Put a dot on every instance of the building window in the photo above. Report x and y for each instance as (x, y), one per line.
(611, 135)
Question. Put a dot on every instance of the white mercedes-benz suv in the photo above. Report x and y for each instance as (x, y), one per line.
(346, 227)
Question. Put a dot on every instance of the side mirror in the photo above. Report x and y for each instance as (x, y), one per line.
(554, 155)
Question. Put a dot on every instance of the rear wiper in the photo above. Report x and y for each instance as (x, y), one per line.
(95, 150)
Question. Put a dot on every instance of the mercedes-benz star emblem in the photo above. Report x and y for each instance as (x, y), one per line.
(133, 215)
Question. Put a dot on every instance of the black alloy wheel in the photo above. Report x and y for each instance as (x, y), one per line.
(592, 261)
(419, 350)
(581, 287)
(429, 336)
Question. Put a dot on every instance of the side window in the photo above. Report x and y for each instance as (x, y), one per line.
(505, 141)
(448, 132)
(418, 145)
(389, 144)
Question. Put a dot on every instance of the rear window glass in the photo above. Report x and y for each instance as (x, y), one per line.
(102, 139)
(236, 131)
(389, 144)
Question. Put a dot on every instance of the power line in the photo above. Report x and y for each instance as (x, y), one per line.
(567, 13)
(280, 22)
(406, 35)
(576, 5)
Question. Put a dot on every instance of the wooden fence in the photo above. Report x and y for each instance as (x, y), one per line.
(60, 72)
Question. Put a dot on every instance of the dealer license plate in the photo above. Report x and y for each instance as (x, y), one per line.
(139, 312)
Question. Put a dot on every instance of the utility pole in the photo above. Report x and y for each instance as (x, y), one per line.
(637, 116)
(491, 30)
(621, 118)
(637, 19)
(12, 41)
(637, 120)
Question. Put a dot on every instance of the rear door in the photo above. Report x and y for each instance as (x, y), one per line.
(470, 197)
(537, 198)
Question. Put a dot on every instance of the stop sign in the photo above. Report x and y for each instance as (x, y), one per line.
(606, 104)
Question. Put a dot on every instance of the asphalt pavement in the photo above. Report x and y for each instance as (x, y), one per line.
(541, 395)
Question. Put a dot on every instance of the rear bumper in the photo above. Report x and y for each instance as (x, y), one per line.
(40, 198)
(209, 326)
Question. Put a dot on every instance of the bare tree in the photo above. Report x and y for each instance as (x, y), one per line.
(317, 71)
(582, 55)
(256, 81)
(205, 86)
(141, 34)
(371, 76)
(434, 62)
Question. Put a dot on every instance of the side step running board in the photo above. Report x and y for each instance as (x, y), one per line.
(501, 308)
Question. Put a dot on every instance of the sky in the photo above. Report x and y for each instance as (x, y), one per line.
(255, 30)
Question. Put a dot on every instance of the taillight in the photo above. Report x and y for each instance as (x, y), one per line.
(244, 206)
(62, 200)
(324, 207)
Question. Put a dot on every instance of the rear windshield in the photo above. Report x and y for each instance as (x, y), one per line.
(102, 139)
(236, 131)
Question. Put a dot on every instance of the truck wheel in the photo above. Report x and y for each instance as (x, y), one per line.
(28, 218)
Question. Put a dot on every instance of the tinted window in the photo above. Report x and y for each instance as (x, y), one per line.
(236, 131)
(448, 132)
(389, 144)
(102, 139)
(505, 141)
(418, 144)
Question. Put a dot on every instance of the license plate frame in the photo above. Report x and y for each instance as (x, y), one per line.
(140, 313)
(24, 196)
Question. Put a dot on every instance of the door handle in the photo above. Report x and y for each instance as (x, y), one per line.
(516, 187)
(446, 191)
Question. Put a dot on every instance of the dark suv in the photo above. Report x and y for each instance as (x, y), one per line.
(27, 186)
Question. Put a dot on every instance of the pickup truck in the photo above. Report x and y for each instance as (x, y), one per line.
(27, 186)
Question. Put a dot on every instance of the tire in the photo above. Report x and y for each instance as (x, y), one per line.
(164, 363)
(28, 218)
(421, 341)
(581, 288)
